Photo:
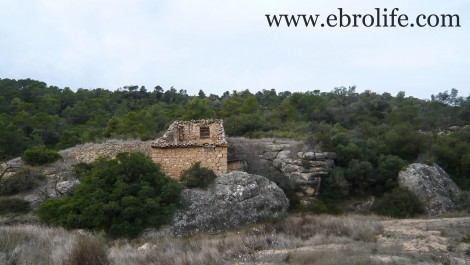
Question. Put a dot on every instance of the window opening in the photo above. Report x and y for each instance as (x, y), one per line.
(181, 133)
(204, 132)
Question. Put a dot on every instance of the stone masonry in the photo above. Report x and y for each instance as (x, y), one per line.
(188, 142)
(174, 161)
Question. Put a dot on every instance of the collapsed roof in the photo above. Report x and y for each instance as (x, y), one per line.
(193, 128)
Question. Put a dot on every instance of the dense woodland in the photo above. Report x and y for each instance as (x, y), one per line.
(374, 135)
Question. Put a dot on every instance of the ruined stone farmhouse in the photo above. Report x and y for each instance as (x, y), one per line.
(188, 142)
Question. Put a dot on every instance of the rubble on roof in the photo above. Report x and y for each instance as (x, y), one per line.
(170, 138)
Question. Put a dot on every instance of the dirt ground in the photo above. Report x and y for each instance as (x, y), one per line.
(443, 240)
(405, 241)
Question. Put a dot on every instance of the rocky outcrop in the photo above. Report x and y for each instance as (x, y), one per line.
(432, 185)
(290, 159)
(305, 169)
(233, 200)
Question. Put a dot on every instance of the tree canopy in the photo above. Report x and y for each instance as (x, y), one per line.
(373, 134)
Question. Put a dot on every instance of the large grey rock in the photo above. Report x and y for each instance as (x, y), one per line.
(66, 187)
(233, 200)
(432, 185)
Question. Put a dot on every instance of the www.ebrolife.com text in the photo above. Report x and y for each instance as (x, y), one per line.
(386, 18)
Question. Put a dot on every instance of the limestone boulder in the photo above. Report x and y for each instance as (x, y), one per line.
(432, 185)
(234, 199)
(292, 160)
(66, 187)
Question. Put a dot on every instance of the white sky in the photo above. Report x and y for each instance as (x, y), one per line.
(227, 45)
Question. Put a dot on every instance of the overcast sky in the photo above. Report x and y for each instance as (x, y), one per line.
(222, 46)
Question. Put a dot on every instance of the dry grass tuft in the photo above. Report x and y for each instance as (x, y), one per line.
(357, 227)
(329, 257)
(87, 251)
(167, 250)
(258, 244)
(30, 244)
(40, 245)
(299, 239)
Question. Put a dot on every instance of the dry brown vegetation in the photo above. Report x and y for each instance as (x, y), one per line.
(89, 251)
(299, 239)
(39, 245)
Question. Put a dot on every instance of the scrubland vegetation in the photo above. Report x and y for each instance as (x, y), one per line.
(197, 176)
(299, 239)
(25, 244)
(374, 137)
(29, 244)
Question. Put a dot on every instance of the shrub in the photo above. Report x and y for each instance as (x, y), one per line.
(306, 163)
(80, 169)
(387, 172)
(197, 176)
(88, 251)
(24, 179)
(399, 203)
(334, 187)
(13, 205)
(39, 155)
(359, 173)
(318, 206)
(120, 196)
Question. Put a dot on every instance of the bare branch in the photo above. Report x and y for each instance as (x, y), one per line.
(5, 168)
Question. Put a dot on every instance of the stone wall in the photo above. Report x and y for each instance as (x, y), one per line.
(89, 152)
(192, 133)
(175, 160)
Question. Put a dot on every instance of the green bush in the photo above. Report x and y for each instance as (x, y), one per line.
(399, 203)
(306, 163)
(120, 196)
(39, 155)
(387, 173)
(197, 176)
(80, 169)
(359, 174)
(13, 205)
(24, 179)
(334, 187)
(318, 206)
